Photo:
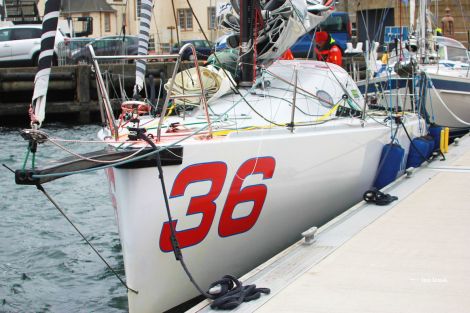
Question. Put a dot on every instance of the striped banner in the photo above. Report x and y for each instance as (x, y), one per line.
(144, 36)
(41, 81)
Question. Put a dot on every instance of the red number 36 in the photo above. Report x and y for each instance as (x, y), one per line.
(205, 204)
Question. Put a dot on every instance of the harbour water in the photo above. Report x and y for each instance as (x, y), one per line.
(44, 265)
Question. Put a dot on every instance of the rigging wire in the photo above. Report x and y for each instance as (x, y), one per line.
(62, 212)
(167, 148)
(176, 23)
(94, 160)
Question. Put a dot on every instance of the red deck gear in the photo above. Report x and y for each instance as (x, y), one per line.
(287, 55)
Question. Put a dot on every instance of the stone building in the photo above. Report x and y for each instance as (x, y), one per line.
(370, 16)
(112, 17)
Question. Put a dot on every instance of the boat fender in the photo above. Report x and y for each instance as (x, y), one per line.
(446, 139)
(390, 163)
(377, 197)
(229, 293)
(418, 152)
(430, 141)
(435, 132)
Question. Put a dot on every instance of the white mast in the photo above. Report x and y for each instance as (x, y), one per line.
(412, 15)
(422, 29)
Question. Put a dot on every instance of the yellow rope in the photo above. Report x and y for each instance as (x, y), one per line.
(328, 114)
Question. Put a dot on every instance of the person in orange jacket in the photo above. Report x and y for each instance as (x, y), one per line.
(326, 49)
(287, 55)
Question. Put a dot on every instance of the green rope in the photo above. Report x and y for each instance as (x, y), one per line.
(25, 159)
(186, 124)
(33, 161)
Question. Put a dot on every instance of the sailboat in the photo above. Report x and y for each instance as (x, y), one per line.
(438, 63)
(250, 159)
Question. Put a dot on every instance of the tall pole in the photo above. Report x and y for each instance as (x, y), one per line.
(422, 29)
(247, 13)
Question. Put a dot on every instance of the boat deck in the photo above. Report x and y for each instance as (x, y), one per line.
(410, 256)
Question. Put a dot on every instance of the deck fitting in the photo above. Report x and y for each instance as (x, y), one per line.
(309, 235)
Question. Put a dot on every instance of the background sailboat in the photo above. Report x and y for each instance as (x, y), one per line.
(440, 64)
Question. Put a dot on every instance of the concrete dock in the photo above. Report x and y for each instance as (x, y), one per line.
(410, 256)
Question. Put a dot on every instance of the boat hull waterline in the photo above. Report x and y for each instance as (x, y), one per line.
(449, 104)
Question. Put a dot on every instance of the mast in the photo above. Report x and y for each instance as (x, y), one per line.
(144, 36)
(412, 16)
(247, 13)
(422, 30)
(41, 81)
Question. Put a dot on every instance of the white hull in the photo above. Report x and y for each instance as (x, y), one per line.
(319, 172)
(450, 99)
(447, 100)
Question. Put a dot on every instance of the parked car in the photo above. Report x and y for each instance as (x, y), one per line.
(339, 27)
(109, 45)
(221, 42)
(21, 44)
(203, 49)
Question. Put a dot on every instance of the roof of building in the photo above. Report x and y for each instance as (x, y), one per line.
(85, 6)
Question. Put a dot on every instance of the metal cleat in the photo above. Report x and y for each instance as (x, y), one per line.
(309, 235)
(409, 172)
(217, 289)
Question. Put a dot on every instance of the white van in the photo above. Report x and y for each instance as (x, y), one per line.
(21, 44)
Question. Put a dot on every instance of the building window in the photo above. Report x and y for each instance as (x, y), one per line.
(211, 18)
(151, 43)
(165, 47)
(185, 19)
(107, 22)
